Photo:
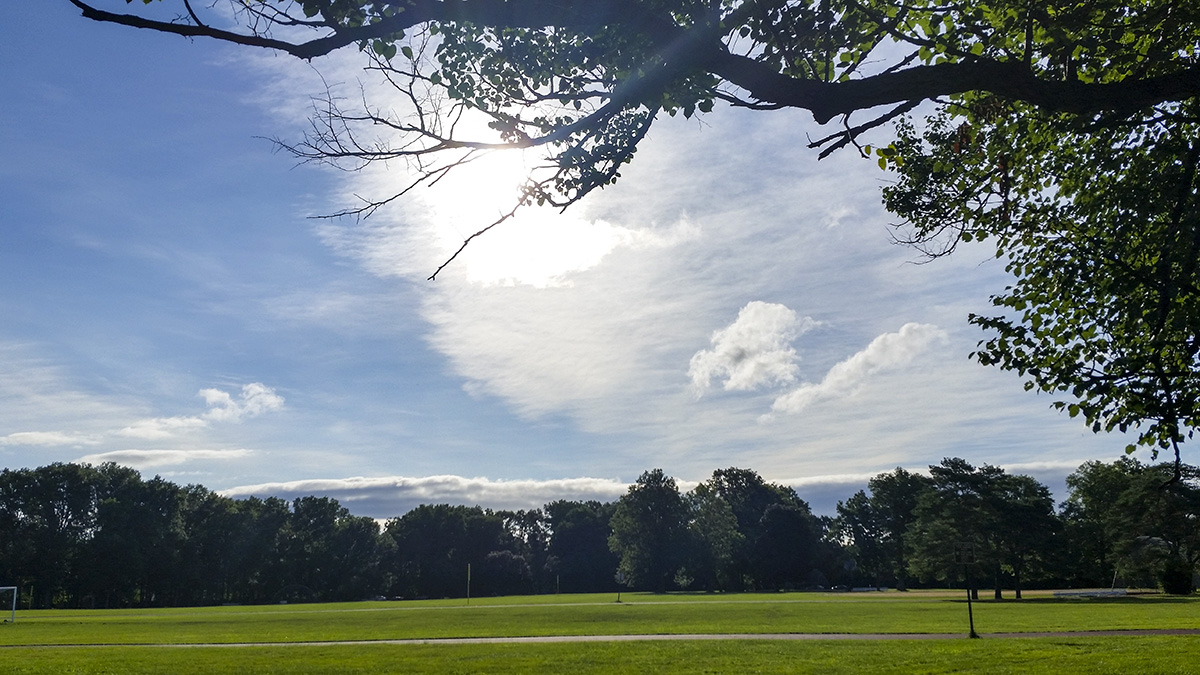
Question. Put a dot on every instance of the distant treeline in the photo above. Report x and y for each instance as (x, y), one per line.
(76, 535)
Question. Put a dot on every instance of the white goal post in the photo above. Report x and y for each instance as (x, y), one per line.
(13, 616)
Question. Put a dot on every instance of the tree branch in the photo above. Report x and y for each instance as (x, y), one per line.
(1009, 79)
(1006, 79)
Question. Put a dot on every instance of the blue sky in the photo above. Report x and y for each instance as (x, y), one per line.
(168, 303)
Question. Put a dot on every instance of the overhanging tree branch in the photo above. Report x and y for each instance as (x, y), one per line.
(1015, 79)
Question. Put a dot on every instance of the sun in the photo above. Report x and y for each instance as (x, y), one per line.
(489, 185)
(540, 246)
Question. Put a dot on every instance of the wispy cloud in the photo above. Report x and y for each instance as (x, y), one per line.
(753, 351)
(886, 352)
(148, 459)
(158, 428)
(48, 439)
(44, 405)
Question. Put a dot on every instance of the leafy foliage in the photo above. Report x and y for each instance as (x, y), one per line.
(875, 526)
(1137, 526)
(1008, 520)
(649, 532)
(578, 551)
(1099, 224)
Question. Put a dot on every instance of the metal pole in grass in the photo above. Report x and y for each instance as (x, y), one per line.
(964, 554)
(468, 583)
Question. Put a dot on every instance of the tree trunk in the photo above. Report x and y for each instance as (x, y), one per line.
(999, 594)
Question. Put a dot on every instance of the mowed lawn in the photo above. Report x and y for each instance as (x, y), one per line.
(131, 641)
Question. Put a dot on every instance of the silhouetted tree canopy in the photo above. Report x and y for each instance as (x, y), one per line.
(649, 532)
(876, 525)
(1009, 520)
(1131, 526)
(82, 536)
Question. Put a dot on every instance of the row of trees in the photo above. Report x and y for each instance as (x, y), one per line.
(78, 535)
(1123, 523)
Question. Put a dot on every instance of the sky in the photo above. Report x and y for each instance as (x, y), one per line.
(169, 302)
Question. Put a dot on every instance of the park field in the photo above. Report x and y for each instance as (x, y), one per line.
(286, 639)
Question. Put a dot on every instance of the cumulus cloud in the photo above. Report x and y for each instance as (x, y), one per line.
(753, 351)
(146, 459)
(47, 439)
(886, 352)
(256, 398)
(390, 496)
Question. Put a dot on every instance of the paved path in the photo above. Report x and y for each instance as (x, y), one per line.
(637, 638)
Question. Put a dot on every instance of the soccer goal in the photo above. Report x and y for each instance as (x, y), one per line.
(10, 589)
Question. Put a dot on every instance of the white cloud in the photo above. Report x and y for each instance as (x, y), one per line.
(544, 250)
(831, 479)
(146, 459)
(1045, 466)
(388, 496)
(886, 352)
(754, 351)
(47, 438)
(256, 399)
(158, 428)
(542, 247)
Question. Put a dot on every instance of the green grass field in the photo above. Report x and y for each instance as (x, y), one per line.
(134, 641)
